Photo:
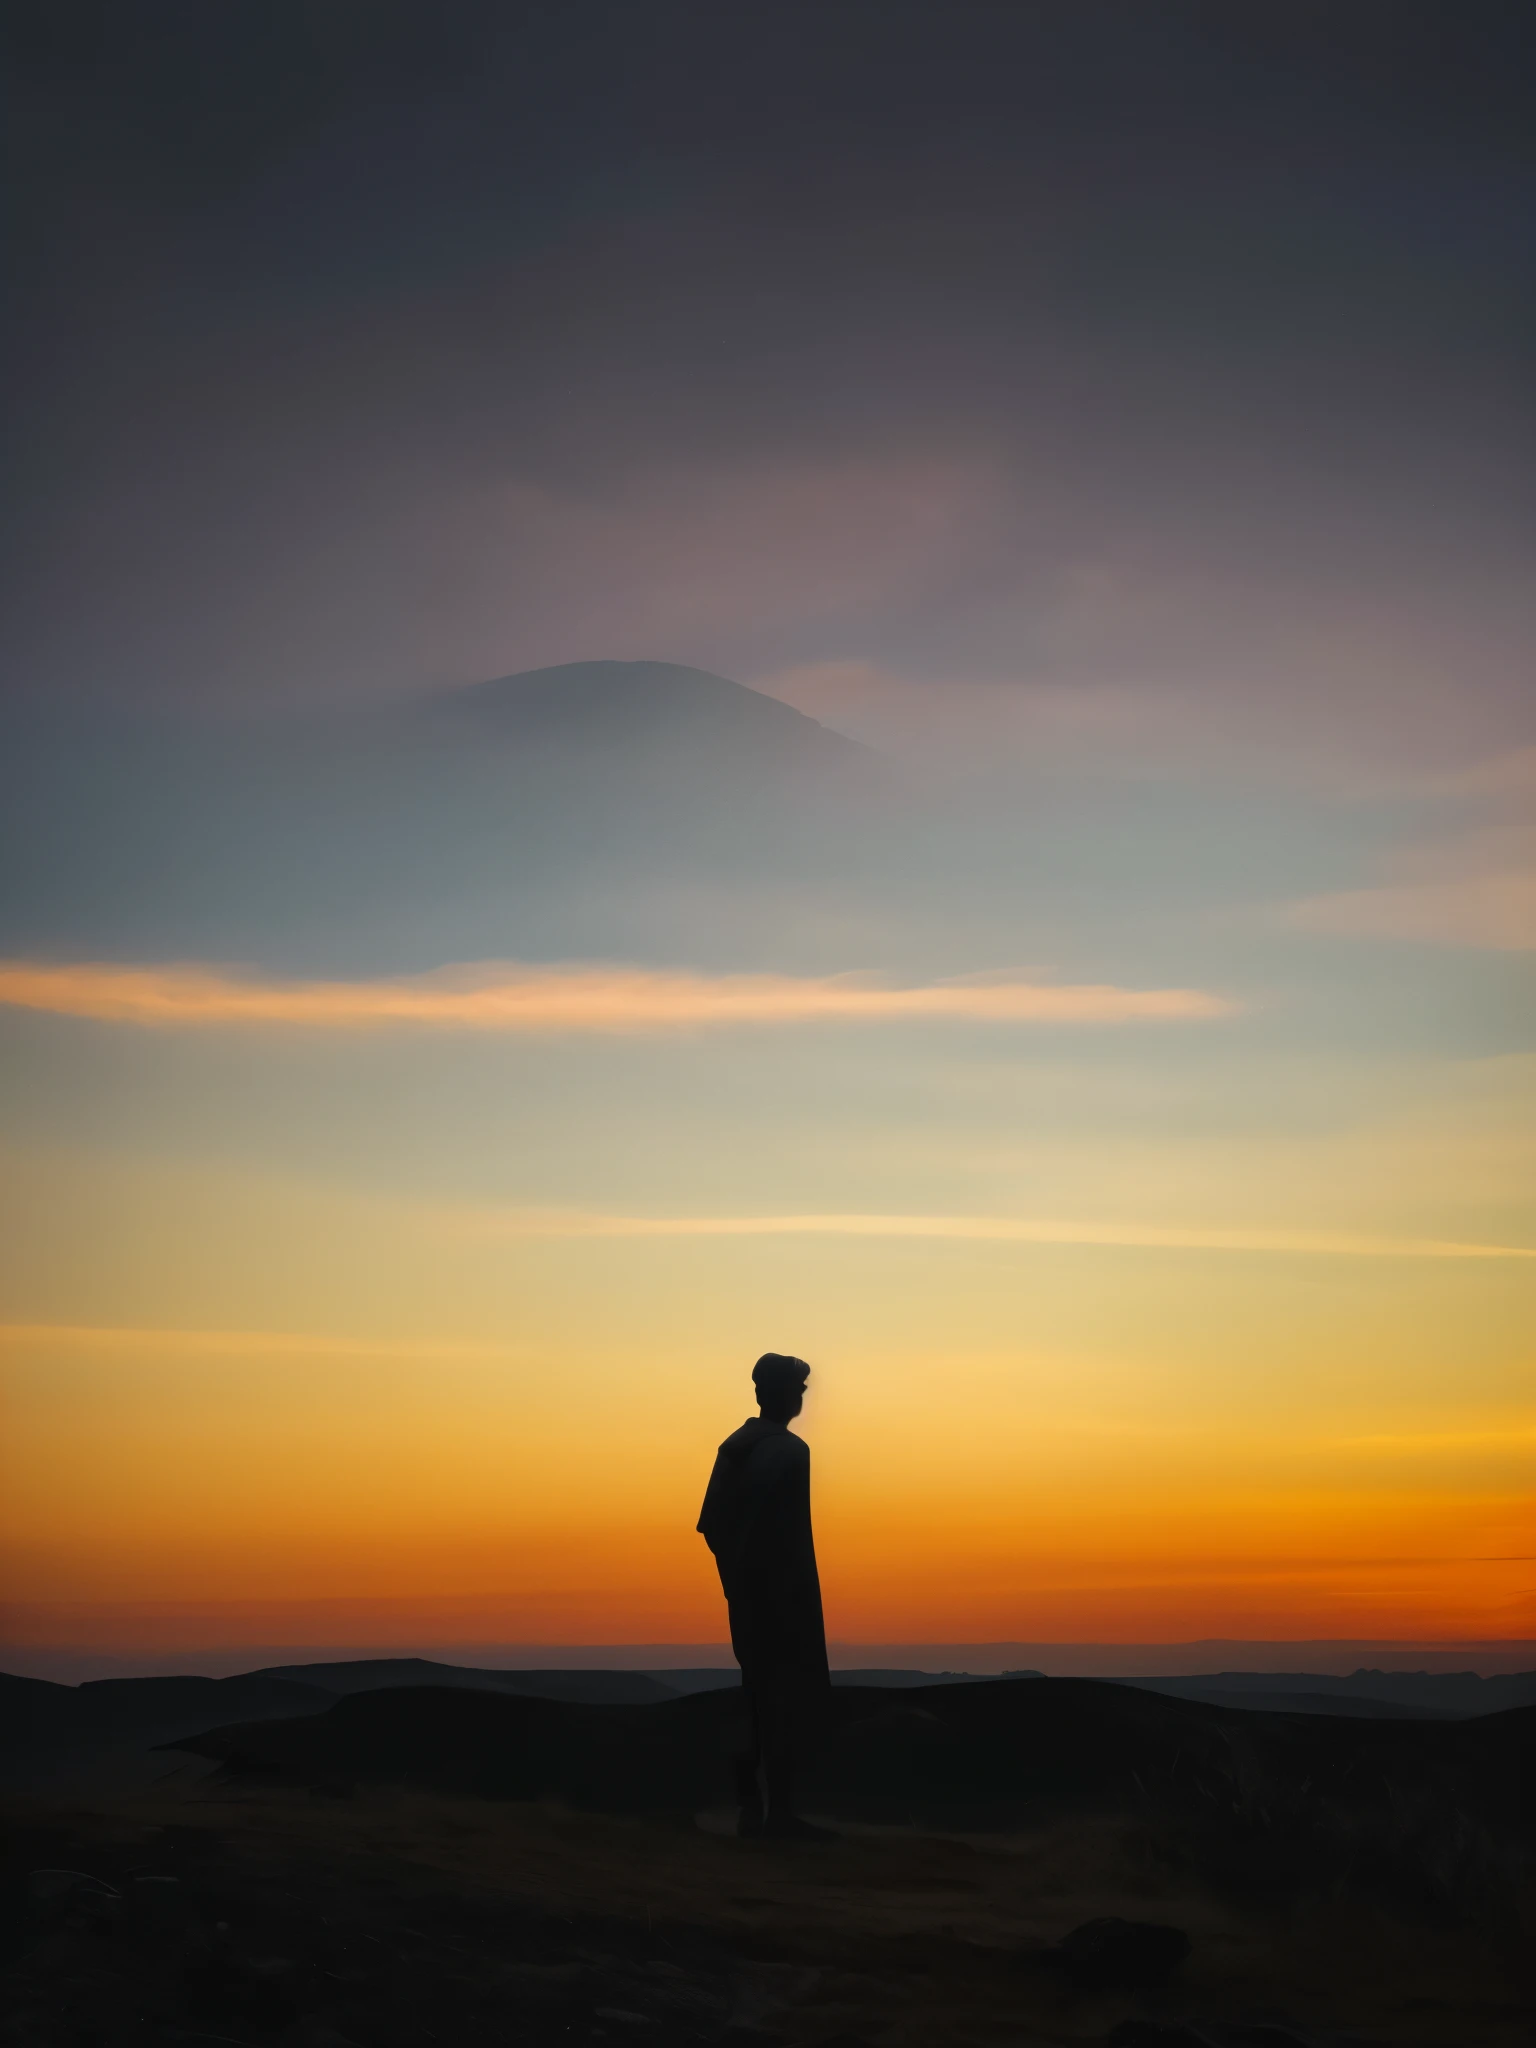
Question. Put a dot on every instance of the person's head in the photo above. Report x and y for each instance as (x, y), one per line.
(780, 1383)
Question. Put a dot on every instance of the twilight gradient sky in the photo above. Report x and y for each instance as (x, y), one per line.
(1114, 1072)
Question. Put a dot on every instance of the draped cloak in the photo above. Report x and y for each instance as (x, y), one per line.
(757, 1520)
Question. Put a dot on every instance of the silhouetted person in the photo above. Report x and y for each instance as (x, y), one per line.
(757, 1520)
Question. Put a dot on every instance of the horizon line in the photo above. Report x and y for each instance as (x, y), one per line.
(1208, 1656)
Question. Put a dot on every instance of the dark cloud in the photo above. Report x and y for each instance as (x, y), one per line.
(366, 345)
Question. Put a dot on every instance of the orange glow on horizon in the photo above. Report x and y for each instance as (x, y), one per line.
(251, 1406)
(191, 1504)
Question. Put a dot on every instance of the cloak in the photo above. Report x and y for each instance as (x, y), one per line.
(757, 1520)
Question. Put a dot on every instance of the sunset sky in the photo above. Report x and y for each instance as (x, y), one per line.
(1101, 1042)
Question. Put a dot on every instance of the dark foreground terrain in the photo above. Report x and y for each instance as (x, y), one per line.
(456, 1866)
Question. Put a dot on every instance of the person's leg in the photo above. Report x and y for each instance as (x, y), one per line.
(776, 1747)
(774, 1683)
(746, 1768)
(789, 1722)
(749, 1768)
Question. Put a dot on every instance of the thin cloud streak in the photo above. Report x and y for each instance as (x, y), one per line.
(999, 1229)
(174, 1342)
(507, 996)
(1476, 887)
(1496, 912)
(1511, 1439)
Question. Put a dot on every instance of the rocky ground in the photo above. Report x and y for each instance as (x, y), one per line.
(218, 1912)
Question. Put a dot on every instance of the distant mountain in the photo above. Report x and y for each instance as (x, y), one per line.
(649, 706)
(722, 1677)
(1424, 1695)
(507, 818)
(1339, 1705)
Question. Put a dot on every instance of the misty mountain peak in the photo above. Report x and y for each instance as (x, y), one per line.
(633, 702)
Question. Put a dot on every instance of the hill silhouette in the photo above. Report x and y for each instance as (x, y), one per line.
(102, 1734)
(373, 1674)
(457, 1862)
(33, 1709)
(1268, 1798)
(1422, 1695)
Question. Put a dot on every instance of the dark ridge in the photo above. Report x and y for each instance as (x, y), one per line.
(32, 1710)
(100, 1737)
(371, 1674)
(1343, 1705)
(1261, 1799)
(1018, 1742)
(721, 1677)
(1430, 1694)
